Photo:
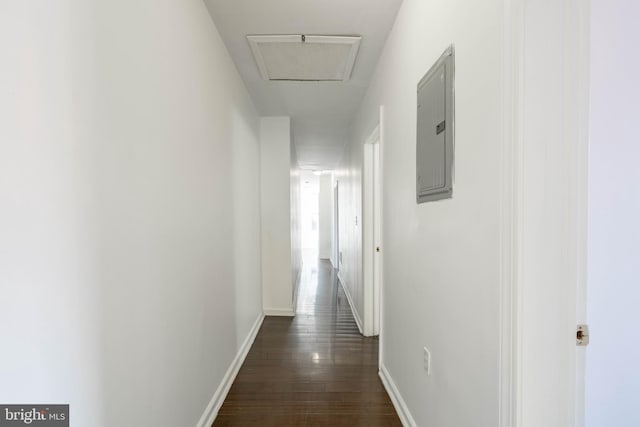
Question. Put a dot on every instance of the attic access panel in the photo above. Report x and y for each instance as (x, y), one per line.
(305, 58)
(435, 131)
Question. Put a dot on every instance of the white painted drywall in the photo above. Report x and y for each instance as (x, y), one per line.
(295, 220)
(334, 221)
(612, 376)
(276, 184)
(325, 214)
(50, 308)
(129, 192)
(441, 260)
(349, 178)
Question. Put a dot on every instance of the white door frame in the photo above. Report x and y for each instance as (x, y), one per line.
(371, 232)
(336, 226)
(380, 230)
(377, 234)
(543, 195)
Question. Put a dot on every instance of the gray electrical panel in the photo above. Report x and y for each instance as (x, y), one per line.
(435, 136)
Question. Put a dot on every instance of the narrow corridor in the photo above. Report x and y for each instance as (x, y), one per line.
(312, 370)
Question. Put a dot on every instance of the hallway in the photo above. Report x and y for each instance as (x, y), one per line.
(312, 370)
(474, 170)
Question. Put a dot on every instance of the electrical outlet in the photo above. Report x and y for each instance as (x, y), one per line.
(427, 360)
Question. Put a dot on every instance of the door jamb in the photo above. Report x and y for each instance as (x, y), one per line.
(370, 236)
(517, 314)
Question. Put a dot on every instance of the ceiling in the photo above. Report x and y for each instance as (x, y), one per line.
(321, 111)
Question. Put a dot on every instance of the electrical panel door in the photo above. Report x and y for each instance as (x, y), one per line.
(434, 151)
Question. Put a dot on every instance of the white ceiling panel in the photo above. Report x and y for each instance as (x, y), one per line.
(305, 58)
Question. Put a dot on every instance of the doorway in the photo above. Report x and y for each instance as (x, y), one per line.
(372, 230)
(309, 216)
(336, 229)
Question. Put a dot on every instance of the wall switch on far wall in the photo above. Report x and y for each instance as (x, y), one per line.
(427, 360)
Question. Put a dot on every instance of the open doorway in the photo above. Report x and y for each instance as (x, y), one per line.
(309, 216)
(336, 229)
(316, 230)
(325, 215)
(371, 233)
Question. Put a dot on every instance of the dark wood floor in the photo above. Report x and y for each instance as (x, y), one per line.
(313, 370)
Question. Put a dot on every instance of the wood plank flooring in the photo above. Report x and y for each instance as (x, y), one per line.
(312, 370)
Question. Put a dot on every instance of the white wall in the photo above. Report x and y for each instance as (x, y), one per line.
(277, 184)
(613, 380)
(295, 220)
(334, 223)
(441, 260)
(325, 217)
(349, 179)
(50, 307)
(129, 191)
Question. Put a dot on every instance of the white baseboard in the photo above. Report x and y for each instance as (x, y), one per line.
(288, 312)
(353, 307)
(215, 404)
(398, 403)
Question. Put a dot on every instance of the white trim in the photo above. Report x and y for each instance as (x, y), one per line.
(576, 112)
(335, 223)
(286, 312)
(381, 128)
(367, 237)
(356, 316)
(396, 398)
(581, 190)
(510, 213)
(370, 236)
(211, 411)
(377, 233)
(529, 319)
(374, 137)
(333, 263)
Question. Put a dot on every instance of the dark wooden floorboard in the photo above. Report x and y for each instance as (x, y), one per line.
(312, 370)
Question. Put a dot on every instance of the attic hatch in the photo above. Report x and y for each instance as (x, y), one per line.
(305, 58)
